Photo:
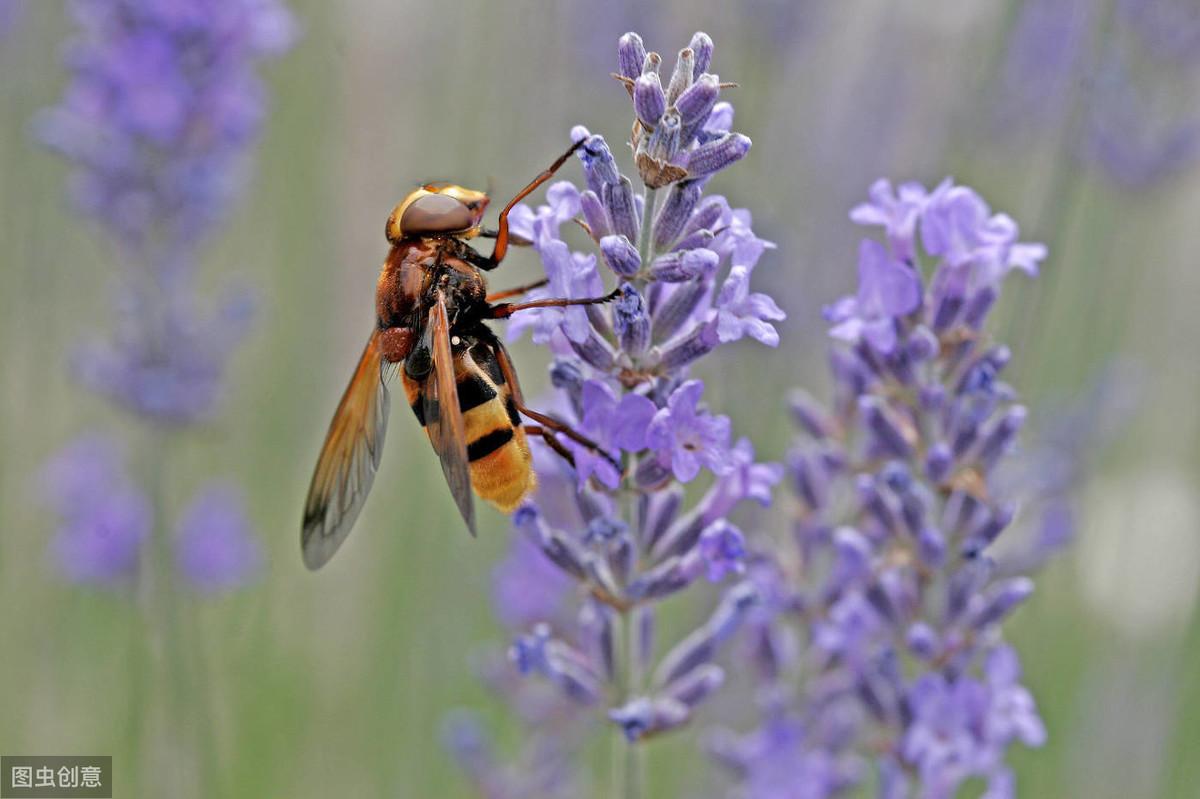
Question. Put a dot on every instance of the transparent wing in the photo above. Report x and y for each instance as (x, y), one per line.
(349, 458)
(443, 417)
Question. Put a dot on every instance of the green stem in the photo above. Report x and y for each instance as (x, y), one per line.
(635, 757)
(182, 731)
(645, 237)
(619, 749)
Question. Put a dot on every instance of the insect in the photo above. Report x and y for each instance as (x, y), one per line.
(432, 306)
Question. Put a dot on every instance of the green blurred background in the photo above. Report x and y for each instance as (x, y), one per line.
(335, 683)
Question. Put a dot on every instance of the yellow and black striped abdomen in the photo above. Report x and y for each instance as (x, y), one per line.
(497, 448)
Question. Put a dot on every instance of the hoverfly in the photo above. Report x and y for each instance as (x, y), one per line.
(432, 306)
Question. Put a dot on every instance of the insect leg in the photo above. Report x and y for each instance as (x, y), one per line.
(507, 309)
(513, 239)
(518, 291)
(551, 441)
(501, 247)
(548, 422)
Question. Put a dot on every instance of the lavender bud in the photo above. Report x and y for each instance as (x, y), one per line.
(663, 510)
(988, 531)
(717, 154)
(592, 505)
(1001, 601)
(1000, 438)
(664, 141)
(702, 49)
(808, 480)
(981, 375)
(565, 375)
(922, 641)
(922, 344)
(732, 609)
(697, 685)
(559, 549)
(594, 214)
(683, 265)
(852, 561)
(597, 352)
(596, 620)
(621, 558)
(528, 652)
(604, 530)
(630, 321)
(882, 603)
(932, 397)
(650, 474)
(978, 306)
(558, 662)
(931, 547)
(960, 511)
(948, 298)
(631, 55)
(885, 428)
(810, 416)
(649, 102)
(964, 584)
(699, 342)
(697, 101)
(674, 214)
(618, 201)
(696, 649)
(599, 319)
(620, 255)
(868, 691)
(666, 578)
(641, 717)
(682, 77)
(706, 216)
(938, 462)
(695, 240)
(651, 62)
(678, 309)
(599, 167)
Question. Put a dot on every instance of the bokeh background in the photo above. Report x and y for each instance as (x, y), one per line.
(1078, 117)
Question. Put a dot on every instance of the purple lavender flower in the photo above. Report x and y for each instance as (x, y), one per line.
(620, 529)
(105, 519)
(160, 112)
(887, 290)
(686, 438)
(162, 106)
(214, 545)
(896, 590)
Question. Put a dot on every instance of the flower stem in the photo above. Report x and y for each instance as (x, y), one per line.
(645, 237)
(635, 761)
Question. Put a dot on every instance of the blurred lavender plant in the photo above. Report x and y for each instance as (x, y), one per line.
(1122, 84)
(878, 640)
(157, 121)
(625, 537)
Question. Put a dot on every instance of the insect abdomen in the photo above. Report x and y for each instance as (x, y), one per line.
(497, 448)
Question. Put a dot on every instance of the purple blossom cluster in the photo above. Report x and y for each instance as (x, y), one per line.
(157, 120)
(877, 644)
(106, 520)
(610, 537)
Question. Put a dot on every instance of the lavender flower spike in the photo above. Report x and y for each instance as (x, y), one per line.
(902, 563)
(682, 264)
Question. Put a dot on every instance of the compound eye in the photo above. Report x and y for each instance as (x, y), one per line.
(435, 213)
